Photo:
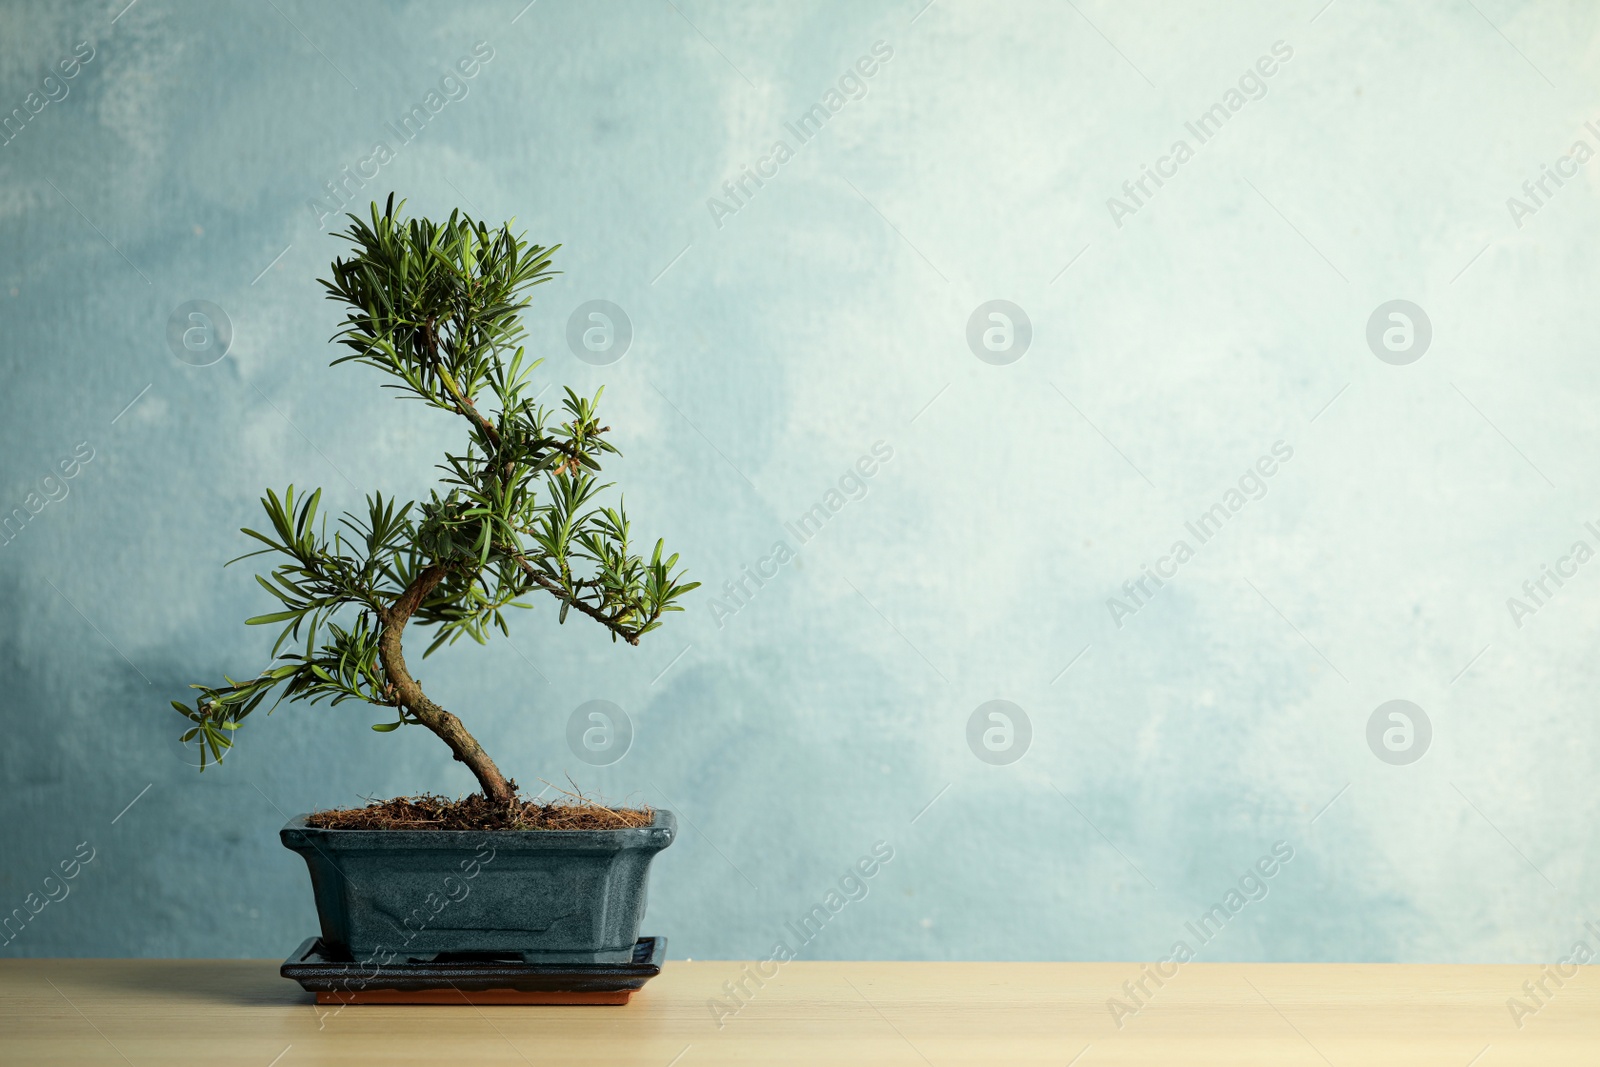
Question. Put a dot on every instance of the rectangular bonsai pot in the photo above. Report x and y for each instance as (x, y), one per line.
(547, 896)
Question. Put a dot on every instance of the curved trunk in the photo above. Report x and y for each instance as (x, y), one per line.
(410, 694)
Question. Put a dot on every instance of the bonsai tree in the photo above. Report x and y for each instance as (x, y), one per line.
(437, 308)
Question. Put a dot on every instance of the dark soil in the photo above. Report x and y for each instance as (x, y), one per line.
(428, 812)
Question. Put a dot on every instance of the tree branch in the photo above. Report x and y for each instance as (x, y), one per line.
(545, 582)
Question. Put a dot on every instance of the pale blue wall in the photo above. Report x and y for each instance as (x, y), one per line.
(1226, 314)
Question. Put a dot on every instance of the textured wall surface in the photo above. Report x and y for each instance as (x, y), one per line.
(1164, 346)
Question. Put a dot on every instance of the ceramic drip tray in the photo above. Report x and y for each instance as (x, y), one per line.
(469, 978)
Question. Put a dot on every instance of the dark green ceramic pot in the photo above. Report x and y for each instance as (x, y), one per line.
(548, 896)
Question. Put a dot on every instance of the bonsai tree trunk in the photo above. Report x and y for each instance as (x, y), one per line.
(410, 695)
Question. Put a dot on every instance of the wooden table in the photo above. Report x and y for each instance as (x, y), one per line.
(224, 1012)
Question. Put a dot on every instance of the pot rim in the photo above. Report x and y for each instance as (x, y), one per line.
(663, 824)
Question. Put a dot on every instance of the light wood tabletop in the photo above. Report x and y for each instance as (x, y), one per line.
(226, 1012)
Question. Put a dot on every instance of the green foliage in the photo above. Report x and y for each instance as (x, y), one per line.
(437, 308)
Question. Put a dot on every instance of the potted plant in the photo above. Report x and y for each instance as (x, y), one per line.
(437, 308)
